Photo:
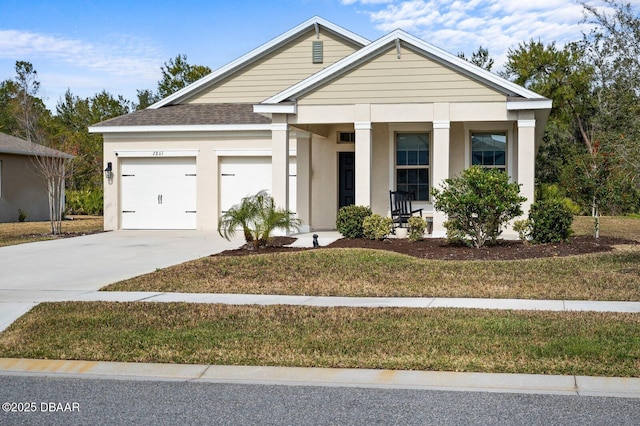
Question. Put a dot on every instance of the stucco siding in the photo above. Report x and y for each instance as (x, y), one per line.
(22, 188)
(208, 148)
(277, 70)
(411, 79)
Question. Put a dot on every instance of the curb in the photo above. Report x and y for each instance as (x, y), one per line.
(334, 377)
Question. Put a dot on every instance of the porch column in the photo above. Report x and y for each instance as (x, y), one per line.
(280, 164)
(440, 169)
(526, 159)
(363, 163)
(303, 179)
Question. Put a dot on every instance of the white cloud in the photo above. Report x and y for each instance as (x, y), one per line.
(117, 55)
(463, 26)
(115, 63)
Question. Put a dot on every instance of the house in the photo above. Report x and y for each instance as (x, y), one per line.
(321, 118)
(22, 186)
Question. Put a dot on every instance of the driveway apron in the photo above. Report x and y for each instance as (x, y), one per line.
(65, 268)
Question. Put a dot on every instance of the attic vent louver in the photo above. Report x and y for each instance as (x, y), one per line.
(316, 52)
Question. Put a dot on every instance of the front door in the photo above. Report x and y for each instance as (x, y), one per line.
(346, 179)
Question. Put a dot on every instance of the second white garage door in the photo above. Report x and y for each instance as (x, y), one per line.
(158, 193)
(243, 176)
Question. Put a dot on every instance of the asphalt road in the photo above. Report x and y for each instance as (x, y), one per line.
(71, 401)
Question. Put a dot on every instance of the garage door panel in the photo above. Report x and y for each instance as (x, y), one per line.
(245, 176)
(158, 193)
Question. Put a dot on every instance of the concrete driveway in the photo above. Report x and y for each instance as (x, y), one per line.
(62, 269)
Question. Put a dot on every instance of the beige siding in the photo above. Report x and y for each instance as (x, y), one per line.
(410, 79)
(277, 71)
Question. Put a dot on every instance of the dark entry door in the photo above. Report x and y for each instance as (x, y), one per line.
(347, 178)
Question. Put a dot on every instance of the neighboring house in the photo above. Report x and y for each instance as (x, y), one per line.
(22, 186)
(321, 118)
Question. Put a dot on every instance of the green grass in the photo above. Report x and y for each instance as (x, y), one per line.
(385, 338)
(371, 273)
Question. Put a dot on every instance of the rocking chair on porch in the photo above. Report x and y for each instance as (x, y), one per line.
(401, 210)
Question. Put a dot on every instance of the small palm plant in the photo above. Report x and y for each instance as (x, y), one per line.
(257, 216)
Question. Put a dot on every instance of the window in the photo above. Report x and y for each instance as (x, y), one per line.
(412, 164)
(489, 150)
(346, 137)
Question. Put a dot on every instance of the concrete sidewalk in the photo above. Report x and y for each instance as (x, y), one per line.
(363, 302)
(341, 377)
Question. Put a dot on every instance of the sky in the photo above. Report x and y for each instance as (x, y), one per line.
(119, 46)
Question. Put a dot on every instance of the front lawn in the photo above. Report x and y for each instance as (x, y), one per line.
(578, 343)
(27, 232)
(594, 344)
(378, 273)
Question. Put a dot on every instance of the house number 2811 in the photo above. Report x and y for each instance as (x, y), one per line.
(157, 153)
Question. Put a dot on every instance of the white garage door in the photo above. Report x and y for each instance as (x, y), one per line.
(158, 193)
(243, 176)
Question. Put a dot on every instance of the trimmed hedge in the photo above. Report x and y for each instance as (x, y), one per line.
(350, 220)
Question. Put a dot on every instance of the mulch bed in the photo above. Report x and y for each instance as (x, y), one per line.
(438, 248)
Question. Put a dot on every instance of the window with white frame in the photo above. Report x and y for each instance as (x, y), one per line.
(412, 164)
(489, 150)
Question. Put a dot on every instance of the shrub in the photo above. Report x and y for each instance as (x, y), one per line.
(84, 201)
(350, 219)
(523, 228)
(417, 226)
(478, 203)
(548, 191)
(376, 227)
(550, 221)
(22, 215)
(257, 216)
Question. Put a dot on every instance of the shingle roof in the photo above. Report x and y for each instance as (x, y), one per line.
(13, 145)
(190, 114)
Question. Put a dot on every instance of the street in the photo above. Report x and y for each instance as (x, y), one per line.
(33, 400)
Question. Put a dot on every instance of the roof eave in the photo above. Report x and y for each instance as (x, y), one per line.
(179, 128)
(284, 108)
(528, 104)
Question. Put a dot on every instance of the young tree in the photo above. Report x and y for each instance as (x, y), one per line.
(27, 86)
(478, 204)
(567, 76)
(54, 167)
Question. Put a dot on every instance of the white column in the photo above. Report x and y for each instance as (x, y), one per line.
(280, 164)
(303, 179)
(363, 163)
(527, 160)
(440, 169)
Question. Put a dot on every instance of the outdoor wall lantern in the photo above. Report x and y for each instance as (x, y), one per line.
(108, 172)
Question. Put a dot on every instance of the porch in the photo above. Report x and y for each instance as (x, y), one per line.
(356, 154)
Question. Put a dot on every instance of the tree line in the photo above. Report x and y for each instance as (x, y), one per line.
(591, 148)
(23, 114)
